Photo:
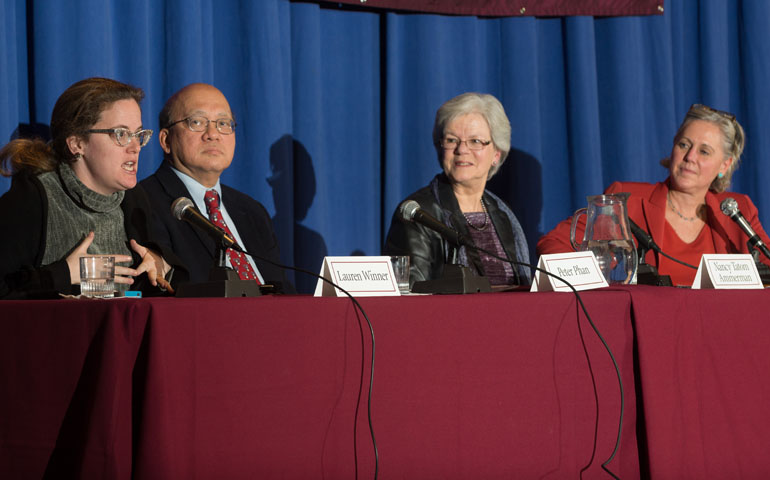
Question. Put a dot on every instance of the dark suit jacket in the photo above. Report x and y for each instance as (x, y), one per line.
(194, 247)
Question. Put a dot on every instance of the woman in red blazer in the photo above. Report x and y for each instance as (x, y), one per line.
(682, 214)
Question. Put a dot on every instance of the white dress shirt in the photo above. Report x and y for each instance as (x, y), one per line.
(197, 192)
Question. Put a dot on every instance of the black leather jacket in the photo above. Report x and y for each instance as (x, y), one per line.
(429, 252)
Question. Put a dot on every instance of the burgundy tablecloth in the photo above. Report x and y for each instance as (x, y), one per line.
(66, 387)
(704, 366)
(507, 385)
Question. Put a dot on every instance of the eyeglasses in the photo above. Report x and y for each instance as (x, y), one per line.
(124, 136)
(722, 113)
(451, 143)
(224, 126)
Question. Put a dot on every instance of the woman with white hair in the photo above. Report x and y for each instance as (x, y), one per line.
(472, 136)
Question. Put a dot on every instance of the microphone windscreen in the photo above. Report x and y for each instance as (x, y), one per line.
(179, 206)
(729, 206)
(408, 209)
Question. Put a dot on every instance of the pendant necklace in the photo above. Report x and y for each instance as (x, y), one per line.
(673, 208)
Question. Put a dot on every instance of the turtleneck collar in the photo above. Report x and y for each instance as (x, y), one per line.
(84, 196)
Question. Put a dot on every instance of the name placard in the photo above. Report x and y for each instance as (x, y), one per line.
(578, 268)
(361, 276)
(727, 271)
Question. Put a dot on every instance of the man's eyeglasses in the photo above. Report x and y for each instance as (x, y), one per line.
(722, 113)
(124, 136)
(201, 124)
(451, 143)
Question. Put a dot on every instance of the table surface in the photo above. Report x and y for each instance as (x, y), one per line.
(499, 385)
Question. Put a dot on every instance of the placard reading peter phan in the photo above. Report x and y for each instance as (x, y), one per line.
(360, 276)
(578, 268)
(728, 271)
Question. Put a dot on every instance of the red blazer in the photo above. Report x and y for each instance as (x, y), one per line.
(647, 208)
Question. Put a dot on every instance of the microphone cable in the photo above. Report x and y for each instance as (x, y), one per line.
(645, 241)
(729, 208)
(676, 260)
(371, 369)
(606, 347)
(182, 204)
(408, 209)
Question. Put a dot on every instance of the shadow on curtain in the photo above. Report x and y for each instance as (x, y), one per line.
(288, 156)
(518, 183)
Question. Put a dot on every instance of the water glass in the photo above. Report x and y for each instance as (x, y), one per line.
(97, 276)
(401, 271)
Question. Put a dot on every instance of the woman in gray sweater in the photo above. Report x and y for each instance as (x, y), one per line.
(75, 196)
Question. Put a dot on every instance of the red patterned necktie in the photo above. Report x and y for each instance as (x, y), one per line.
(238, 260)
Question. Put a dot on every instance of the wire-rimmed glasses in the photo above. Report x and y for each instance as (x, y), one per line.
(198, 123)
(451, 143)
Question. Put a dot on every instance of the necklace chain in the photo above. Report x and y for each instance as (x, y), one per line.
(486, 218)
(673, 208)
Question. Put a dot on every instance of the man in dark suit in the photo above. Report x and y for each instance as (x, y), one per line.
(197, 134)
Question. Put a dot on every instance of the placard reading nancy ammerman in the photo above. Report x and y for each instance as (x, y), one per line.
(728, 271)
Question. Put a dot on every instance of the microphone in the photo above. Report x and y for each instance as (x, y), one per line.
(184, 209)
(730, 208)
(410, 211)
(648, 274)
(645, 239)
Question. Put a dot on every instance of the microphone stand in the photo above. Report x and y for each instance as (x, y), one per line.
(455, 279)
(223, 281)
(754, 252)
(647, 274)
(762, 269)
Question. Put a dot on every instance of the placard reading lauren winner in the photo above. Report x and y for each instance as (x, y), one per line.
(360, 276)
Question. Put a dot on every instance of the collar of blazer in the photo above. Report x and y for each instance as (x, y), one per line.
(726, 234)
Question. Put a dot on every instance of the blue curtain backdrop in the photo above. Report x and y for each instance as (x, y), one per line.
(335, 106)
